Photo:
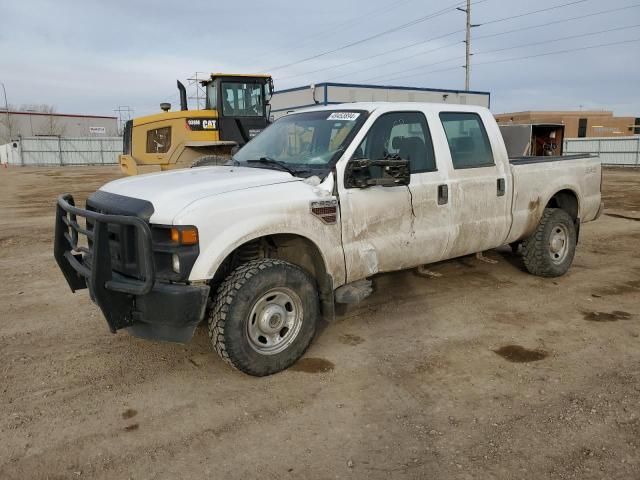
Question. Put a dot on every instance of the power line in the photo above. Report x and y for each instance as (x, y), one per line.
(512, 47)
(422, 52)
(558, 52)
(386, 52)
(498, 20)
(404, 47)
(371, 37)
(555, 22)
(570, 37)
(345, 23)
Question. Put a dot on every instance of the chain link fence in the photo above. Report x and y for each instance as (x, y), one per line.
(60, 151)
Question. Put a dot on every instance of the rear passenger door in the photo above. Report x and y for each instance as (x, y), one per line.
(479, 186)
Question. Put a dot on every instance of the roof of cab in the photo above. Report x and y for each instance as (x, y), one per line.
(395, 106)
(259, 75)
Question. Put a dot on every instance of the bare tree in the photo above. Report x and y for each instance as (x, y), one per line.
(8, 125)
(52, 125)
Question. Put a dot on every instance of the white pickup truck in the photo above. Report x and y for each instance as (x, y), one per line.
(264, 247)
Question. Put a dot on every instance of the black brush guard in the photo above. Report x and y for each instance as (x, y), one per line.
(91, 266)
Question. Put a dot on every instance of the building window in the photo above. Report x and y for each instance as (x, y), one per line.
(159, 140)
(637, 127)
(582, 128)
(468, 140)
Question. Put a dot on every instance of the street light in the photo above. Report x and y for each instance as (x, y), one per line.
(6, 106)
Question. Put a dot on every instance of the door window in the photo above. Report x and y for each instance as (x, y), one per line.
(468, 140)
(402, 134)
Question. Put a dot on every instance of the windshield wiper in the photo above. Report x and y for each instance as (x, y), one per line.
(282, 165)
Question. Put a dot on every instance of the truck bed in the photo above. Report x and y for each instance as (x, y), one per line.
(553, 158)
(537, 179)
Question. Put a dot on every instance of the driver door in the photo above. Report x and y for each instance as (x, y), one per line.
(377, 222)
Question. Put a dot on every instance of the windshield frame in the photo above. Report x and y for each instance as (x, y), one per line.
(306, 169)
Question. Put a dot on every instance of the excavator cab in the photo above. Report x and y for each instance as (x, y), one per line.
(237, 109)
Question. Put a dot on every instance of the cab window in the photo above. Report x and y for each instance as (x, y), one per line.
(241, 99)
(468, 140)
(402, 134)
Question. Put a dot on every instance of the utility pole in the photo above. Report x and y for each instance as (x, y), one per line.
(467, 66)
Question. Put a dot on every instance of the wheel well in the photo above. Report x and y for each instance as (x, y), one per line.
(567, 201)
(291, 248)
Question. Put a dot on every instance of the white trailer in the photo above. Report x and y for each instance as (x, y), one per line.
(292, 99)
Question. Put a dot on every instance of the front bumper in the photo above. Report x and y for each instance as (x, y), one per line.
(143, 306)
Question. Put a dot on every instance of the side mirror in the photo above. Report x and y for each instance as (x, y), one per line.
(390, 172)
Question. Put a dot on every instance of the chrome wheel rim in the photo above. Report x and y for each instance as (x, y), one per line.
(274, 321)
(559, 243)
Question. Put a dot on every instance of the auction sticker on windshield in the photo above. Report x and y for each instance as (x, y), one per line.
(350, 116)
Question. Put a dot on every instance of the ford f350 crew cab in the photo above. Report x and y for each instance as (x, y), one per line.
(320, 201)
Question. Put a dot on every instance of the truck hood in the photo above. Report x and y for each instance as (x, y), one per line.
(170, 192)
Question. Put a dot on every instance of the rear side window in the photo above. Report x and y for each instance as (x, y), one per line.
(468, 140)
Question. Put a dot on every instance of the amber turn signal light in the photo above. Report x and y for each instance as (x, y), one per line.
(184, 236)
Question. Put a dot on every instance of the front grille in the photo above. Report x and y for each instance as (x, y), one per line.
(123, 244)
(125, 249)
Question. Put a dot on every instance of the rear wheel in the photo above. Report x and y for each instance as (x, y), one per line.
(550, 250)
(264, 316)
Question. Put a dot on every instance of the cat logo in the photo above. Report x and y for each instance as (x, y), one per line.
(200, 124)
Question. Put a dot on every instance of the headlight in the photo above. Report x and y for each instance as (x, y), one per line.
(175, 250)
(175, 262)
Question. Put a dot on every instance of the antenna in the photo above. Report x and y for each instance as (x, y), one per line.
(125, 113)
(198, 93)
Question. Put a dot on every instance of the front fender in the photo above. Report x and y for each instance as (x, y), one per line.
(224, 230)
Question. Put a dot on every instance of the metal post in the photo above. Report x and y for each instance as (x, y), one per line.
(101, 152)
(638, 153)
(60, 151)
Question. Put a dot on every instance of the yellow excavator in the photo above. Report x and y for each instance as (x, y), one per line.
(237, 109)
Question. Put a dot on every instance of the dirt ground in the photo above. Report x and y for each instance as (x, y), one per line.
(486, 372)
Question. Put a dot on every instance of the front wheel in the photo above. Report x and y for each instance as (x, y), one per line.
(264, 316)
(550, 250)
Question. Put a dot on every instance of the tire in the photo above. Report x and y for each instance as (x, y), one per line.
(253, 307)
(210, 160)
(550, 250)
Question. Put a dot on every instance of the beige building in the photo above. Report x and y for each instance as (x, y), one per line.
(578, 123)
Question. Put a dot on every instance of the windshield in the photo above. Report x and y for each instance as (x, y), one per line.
(240, 99)
(305, 141)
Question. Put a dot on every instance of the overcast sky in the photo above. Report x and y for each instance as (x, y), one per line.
(91, 56)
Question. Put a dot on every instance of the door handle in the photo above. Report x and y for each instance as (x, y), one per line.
(443, 194)
(502, 187)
